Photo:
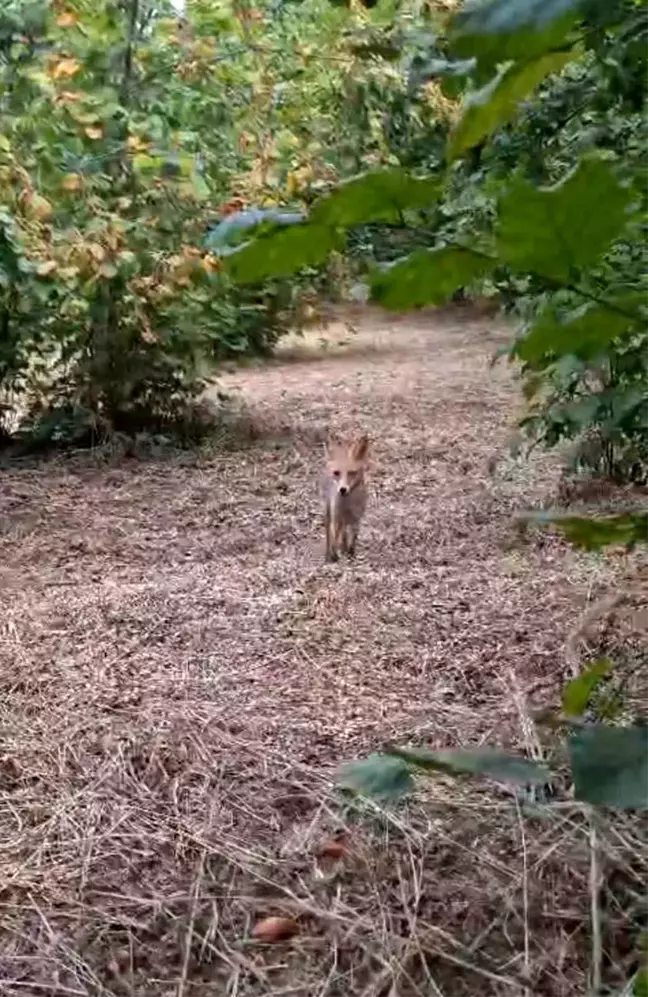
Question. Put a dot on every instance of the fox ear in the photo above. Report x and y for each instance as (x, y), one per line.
(331, 443)
(360, 448)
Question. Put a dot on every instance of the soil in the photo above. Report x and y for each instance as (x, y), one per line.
(181, 675)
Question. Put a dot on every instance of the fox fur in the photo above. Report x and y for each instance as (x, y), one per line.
(345, 495)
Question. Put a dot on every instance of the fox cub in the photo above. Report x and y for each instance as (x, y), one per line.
(345, 495)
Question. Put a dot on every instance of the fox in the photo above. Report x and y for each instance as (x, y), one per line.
(345, 495)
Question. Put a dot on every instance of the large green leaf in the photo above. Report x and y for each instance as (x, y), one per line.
(489, 762)
(610, 765)
(584, 333)
(381, 776)
(577, 693)
(558, 230)
(427, 276)
(495, 31)
(592, 533)
(487, 109)
(280, 254)
(379, 196)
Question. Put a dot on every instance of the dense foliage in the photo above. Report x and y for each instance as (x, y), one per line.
(126, 135)
(136, 148)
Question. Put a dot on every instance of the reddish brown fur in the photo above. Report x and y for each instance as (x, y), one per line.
(345, 495)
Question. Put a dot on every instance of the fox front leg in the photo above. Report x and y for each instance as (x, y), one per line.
(351, 540)
(331, 552)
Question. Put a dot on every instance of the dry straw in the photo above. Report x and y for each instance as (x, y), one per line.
(180, 674)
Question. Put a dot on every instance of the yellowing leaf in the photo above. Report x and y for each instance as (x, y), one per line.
(72, 182)
(66, 19)
(38, 207)
(70, 96)
(212, 263)
(112, 238)
(46, 268)
(137, 144)
(84, 117)
(97, 252)
(68, 273)
(65, 69)
(94, 132)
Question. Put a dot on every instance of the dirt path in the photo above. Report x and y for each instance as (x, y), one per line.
(180, 670)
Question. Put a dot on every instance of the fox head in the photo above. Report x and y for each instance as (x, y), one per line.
(346, 464)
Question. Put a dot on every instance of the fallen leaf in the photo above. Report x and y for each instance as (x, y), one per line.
(275, 929)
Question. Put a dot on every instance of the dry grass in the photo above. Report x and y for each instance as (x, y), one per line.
(181, 674)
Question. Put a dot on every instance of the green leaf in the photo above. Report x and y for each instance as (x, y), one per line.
(640, 983)
(487, 109)
(495, 31)
(148, 164)
(610, 766)
(497, 765)
(427, 276)
(556, 230)
(380, 776)
(379, 196)
(592, 533)
(577, 693)
(585, 333)
(200, 187)
(280, 254)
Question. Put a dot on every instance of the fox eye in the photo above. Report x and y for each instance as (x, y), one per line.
(336, 474)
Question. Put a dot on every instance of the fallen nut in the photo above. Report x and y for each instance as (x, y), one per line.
(275, 929)
(333, 850)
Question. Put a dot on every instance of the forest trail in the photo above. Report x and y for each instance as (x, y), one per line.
(181, 671)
